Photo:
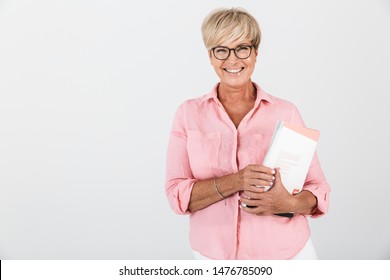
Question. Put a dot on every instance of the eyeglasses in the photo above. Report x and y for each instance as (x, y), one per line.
(241, 52)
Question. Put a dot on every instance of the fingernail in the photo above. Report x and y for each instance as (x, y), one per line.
(273, 171)
(271, 183)
(273, 177)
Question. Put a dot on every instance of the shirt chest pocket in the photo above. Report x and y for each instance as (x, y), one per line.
(203, 153)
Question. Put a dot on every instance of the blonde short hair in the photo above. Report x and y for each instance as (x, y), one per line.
(230, 25)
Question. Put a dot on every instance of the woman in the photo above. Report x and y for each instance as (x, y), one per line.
(215, 154)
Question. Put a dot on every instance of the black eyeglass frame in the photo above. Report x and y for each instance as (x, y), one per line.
(234, 51)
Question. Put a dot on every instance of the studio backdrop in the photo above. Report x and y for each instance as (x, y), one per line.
(88, 90)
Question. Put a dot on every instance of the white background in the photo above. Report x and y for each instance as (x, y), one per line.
(88, 90)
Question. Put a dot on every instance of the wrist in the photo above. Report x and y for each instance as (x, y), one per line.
(228, 184)
(294, 202)
(303, 202)
(236, 182)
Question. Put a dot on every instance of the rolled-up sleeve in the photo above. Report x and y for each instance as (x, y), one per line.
(179, 178)
(315, 181)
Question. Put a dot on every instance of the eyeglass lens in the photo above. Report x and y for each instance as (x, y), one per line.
(241, 52)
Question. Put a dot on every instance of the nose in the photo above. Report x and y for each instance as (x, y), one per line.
(232, 57)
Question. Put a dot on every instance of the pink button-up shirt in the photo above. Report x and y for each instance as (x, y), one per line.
(204, 144)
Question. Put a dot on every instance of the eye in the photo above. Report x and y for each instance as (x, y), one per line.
(221, 50)
(243, 48)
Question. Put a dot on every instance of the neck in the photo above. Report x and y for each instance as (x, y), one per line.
(228, 94)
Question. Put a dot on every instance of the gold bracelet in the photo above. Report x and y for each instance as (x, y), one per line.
(216, 188)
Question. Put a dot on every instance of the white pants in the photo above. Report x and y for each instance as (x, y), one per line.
(307, 253)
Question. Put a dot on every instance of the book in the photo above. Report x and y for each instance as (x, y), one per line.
(292, 149)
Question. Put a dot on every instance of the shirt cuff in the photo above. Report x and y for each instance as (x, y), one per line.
(179, 195)
(321, 192)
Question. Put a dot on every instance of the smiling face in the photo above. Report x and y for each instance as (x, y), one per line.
(234, 72)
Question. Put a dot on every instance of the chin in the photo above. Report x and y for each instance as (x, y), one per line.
(236, 83)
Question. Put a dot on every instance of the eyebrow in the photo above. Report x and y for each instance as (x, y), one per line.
(240, 45)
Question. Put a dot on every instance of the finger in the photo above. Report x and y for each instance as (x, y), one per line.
(253, 210)
(278, 178)
(261, 184)
(252, 195)
(262, 168)
(278, 175)
(256, 190)
(249, 194)
(261, 176)
(248, 208)
(249, 202)
(246, 194)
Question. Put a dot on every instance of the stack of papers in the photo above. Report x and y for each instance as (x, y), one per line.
(292, 149)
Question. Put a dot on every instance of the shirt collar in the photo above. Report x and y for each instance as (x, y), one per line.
(261, 95)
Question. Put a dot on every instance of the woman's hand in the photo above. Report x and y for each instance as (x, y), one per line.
(253, 177)
(276, 200)
(207, 192)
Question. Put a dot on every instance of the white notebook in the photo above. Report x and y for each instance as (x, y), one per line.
(292, 149)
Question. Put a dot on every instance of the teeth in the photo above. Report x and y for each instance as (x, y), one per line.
(233, 70)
